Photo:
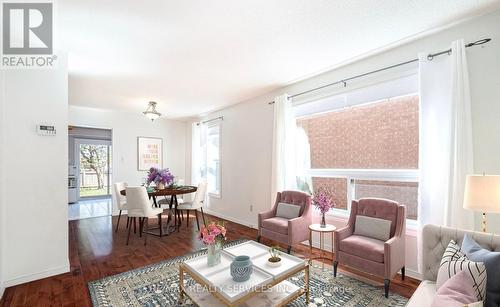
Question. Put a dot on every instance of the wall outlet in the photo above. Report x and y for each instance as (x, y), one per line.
(251, 208)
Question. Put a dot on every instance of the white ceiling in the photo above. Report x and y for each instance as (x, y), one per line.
(193, 56)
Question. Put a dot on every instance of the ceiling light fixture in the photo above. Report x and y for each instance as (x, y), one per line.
(151, 112)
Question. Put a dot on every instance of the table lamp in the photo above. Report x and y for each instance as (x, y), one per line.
(482, 193)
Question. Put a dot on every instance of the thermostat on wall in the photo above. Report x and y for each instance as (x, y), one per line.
(46, 130)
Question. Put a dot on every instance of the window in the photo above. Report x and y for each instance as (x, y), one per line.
(364, 143)
(207, 156)
(213, 159)
(94, 163)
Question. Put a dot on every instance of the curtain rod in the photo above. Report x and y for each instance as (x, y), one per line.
(430, 57)
(211, 120)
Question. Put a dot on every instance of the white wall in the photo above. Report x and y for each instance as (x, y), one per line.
(126, 127)
(2, 180)
(34, 215)
(247, 127)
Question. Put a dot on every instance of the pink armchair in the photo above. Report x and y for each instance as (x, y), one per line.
(370, 255)
(287, 231)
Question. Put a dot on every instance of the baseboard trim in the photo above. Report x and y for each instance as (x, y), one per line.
(414, 274)
(36, 276)
(229, 218)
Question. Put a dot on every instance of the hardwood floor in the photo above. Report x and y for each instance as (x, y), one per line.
(96, 251)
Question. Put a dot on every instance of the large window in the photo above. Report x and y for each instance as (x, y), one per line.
(368, 145)
(213, 159)
(207, 155)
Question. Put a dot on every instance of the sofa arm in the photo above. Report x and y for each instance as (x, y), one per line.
(339, 235)
(298, 229)
(394, 255)
(264, 216)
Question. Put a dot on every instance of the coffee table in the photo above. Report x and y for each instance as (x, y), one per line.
(267, 286)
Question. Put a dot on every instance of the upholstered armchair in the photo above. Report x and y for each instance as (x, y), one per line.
(274, 224)
(370, 255)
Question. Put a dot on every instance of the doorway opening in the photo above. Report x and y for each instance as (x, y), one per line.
(90, 172)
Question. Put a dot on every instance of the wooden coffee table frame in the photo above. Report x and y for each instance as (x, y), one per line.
(185, 269)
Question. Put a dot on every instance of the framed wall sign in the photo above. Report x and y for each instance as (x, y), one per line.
(149, 153)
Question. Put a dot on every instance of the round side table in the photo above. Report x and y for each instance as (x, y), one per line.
(322, 231)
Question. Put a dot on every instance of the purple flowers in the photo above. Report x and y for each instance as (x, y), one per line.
(322, 200)
(160, 176)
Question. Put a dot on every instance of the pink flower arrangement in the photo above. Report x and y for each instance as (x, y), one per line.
(212, 233)
(322, 200)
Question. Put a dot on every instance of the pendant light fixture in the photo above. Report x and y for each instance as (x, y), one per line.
(151, 112)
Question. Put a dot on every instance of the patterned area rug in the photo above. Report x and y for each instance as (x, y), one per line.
(157, 285)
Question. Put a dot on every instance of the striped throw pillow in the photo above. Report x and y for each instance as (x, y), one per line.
(454, 261)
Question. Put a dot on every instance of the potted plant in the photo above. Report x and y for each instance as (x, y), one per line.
(161, 177)
(275, 259)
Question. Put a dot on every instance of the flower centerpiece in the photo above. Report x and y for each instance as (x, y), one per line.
(213, 235)
(322, 200)
(161, 177)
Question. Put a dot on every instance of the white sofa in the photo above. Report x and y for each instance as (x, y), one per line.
(435, 239)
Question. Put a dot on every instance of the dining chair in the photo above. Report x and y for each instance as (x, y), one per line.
(121, 201)
(139, 206)
(195, 204)
(166, 199)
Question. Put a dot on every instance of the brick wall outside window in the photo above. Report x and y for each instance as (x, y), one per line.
(380, 135)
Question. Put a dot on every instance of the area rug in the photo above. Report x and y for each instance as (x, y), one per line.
(158, 285)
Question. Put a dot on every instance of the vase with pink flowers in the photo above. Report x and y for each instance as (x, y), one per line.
(213, 235)
(322, 200)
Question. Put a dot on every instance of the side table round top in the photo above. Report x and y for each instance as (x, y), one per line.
(317, 227)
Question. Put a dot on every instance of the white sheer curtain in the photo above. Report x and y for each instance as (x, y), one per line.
(445, 139)
(283, 161)
(303, 161)
(198, 158)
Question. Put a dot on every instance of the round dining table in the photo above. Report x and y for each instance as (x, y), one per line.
(173, 220)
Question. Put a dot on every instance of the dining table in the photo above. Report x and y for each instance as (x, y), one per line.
(173, 219)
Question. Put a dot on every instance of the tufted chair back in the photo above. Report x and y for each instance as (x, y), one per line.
(295, 198)
(435, 239)
(378, 208)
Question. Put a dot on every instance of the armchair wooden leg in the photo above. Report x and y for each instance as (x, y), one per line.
(403, 273)
(258, 238)
(289, 249)
(128, 221)
(118, 223)
(335, 265)
(387, 282)
(135, 224)
(187, 218)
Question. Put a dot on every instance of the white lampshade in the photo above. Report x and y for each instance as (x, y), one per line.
(482, 193)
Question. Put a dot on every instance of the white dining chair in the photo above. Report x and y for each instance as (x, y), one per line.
(121, 201)
(139, 206)
(165, 201)
(195, 204)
